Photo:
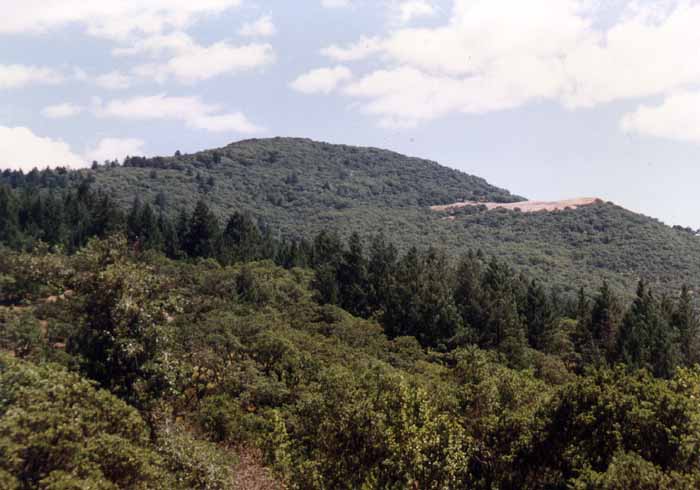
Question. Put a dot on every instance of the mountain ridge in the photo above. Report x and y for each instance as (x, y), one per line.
(298, 187)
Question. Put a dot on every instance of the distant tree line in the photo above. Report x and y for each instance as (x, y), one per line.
(422, 294)
(485, 302)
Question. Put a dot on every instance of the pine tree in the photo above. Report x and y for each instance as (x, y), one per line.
(605, 321)
(380, 272)
(539, 317)
(53, 220)
(150, 233)
(9, 219)
(171, 243)
(686, 322)
(469, 295)
(421, 302)
(106, 217)
(646, 339)
(353, 284)
(585, 345)
(133, 221)
(502, 327)
(507, 330)
(242, 241)
(203, 234)
(327, 249)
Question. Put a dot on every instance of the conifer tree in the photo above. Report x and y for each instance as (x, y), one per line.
(585, 344)
(421, 302)
(686, 322)
(605, 321)
(133, 221)
(469, 295)
(380, 272)
(646, 339)
(203, 234)
(352, 279)
(9, 219)
(539, 316)
(171, 243)
(242, 241)
(150, 233)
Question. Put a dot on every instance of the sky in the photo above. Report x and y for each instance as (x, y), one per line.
(550, 99)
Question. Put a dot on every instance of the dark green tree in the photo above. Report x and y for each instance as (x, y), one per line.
(646, 340)
(686, 322)
(242, 240)
(353, 284)
(421, 303)
(203, 235)
(381, 268)
(9, 218)
(539, 317)
(469, 295)
(605, 321)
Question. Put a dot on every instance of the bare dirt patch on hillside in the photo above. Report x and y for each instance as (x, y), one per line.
(523, 206)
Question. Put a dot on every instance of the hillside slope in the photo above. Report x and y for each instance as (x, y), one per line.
(299, 187)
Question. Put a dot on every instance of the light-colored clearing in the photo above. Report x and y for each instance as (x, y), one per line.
(524, 206)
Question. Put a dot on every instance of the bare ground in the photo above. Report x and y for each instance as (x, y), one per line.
(524, 206)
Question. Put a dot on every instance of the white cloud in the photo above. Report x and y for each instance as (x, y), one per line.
(16, 76)
(263, 27)
(115, 19)
(114, 148)
(409, 10)
(114, 80)
(321, 80)
(189, 62)
(157, 45)
(676, 118)
(20, 148)
(334, 4)
(494, 55)
(202, 63)
(190, 110)
(61, 111)
(365, 47)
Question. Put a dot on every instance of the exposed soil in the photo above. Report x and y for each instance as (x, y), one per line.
(524, 206)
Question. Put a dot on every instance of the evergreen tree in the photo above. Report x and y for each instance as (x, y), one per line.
(54, 231)
(421, 302)
(605, 321)
(469, 295)
(171, 243)
(242, 241)
(150, 232)
(133, 222)
(203, 234)
(646, 339)
(506, 331)
(182, 227)
(539, 317)
(380, 272)
(502, 326)
(353, 284)
(106, 217)
(585, 345)
(9, 219)
(327, 250)
(686, 322)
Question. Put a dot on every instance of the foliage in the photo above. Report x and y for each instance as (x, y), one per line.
(58, 431)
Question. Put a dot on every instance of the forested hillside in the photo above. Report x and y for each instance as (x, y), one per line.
(297, 188)
(218, 357)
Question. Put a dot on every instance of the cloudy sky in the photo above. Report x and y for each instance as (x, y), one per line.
(548, 98)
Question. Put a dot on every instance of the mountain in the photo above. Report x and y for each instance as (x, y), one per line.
(299, 187)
